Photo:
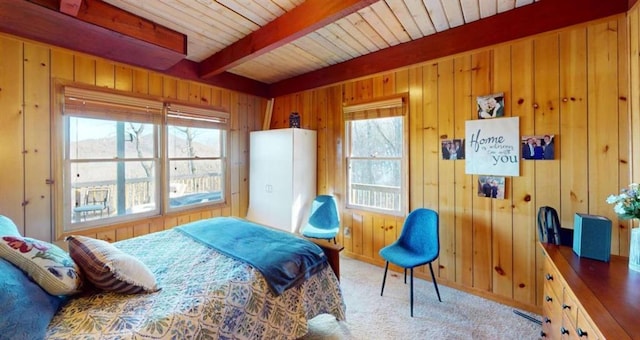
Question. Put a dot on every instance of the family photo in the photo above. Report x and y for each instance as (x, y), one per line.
(538, 147)
(491, 186)
(453, 149)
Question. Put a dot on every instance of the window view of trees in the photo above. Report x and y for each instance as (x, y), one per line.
(375, 162)
(120, 161)
(195, 165)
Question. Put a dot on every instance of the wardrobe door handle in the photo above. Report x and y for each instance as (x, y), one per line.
(549, 277)
(548, 298)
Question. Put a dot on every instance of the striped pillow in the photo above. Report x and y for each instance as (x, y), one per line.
(109, 268)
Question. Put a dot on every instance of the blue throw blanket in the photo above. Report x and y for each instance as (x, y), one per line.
(283, 258)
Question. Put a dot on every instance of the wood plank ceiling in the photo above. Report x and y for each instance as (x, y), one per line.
(274, 47)
(211, 26)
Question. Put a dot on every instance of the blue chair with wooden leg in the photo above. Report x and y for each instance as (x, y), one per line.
(418, 244)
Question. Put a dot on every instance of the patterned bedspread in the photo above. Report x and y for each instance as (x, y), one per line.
(204, 295)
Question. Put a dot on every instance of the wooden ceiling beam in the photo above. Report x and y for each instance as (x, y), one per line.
(100, 13)
(300, 21)
(541, 16)
(36, 20)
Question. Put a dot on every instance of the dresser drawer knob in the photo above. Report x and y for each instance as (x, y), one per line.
(547, 320)
(549, 277)
(580, 332)
(548, 298)
(543, 334)
(565, 306)
(564, 330)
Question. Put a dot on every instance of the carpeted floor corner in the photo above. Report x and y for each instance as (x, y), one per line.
(458, 316)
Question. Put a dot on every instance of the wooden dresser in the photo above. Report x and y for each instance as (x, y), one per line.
(588, 299)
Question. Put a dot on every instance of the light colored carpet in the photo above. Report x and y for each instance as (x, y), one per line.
(458, 316)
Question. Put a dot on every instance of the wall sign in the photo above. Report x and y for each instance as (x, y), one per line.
(492, 146)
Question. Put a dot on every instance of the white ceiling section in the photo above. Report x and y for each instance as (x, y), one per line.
(211, 26)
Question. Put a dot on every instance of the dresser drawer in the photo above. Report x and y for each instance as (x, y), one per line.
(584, 328)
(552, 313)
(552, 278)
(570, 306)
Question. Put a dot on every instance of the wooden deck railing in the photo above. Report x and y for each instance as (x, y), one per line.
(139, 192)
(375, 196)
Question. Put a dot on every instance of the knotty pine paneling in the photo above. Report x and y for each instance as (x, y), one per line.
(573, 124)
(603, 97)
(105, 73)
(30, 153)
(634, 89)
(546, 117)
(37, 155)
(501, 214)
(624, 134)
(463, 228)
(445, 170)
(11, 124)
(569, 83)
(481, 84)
(524, 208)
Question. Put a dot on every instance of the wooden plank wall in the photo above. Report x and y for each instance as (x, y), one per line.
(570, 83)
(27, 74)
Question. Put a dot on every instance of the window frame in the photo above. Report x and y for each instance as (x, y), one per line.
(202, 117)
(62, 200)
(390, 106)
(69, 223)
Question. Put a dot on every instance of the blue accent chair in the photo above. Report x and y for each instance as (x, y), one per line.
(418, 244)
(324, 220)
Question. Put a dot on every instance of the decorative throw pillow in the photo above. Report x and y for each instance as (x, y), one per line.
(45, 263)
(25, 307)
(109, 268)
(7, 227)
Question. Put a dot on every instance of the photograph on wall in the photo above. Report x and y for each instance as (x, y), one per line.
(453, 149)
(491, 106)
(492, 147)
(538, 147)
(491, 186)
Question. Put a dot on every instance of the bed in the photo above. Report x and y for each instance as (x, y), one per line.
(206, 292)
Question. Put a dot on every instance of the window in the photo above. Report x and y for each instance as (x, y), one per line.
(375, 149)
(113, 159)
(196, 148)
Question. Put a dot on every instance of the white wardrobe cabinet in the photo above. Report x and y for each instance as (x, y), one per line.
(282, 177)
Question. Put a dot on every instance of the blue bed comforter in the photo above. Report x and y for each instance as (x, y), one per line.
(283, 258)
